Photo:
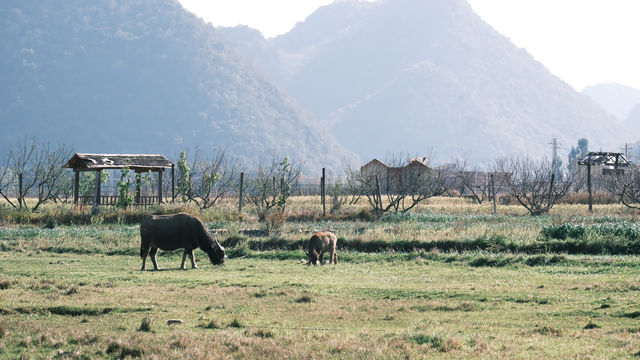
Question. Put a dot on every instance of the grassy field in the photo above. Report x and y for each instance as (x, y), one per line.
(560, 286)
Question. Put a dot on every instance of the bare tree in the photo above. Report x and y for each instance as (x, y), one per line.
(345, 190)
(269, 186)
(532, 183)
(36, 167)
(625, 186)
(18, 164)
(399, 187)
(212, 177)
(51, 177)
(477, 183)
(6, 180)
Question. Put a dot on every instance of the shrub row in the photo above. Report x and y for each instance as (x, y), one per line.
(52, 216)
(491, 244)
(626, 230)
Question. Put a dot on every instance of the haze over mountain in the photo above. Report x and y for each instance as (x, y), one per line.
(142, 76)
(424, 76)
(616, 98)
(633, 120)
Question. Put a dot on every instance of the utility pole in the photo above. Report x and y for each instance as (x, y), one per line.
(554, 165)
(626, 149)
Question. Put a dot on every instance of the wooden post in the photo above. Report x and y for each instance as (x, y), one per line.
(138, 187)
(173, 183)
(553, 178)
(493, 193)
(20, 199)
(589, 187)
(322, 192)
(96, 195)
(275, 190)
(76, 186)
(241, 195)
(379, 197)
(160, 186)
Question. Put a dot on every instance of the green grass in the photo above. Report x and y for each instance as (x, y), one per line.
(271, 305)
(451, 281)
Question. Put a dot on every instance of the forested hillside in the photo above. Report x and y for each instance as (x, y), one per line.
(142, 76)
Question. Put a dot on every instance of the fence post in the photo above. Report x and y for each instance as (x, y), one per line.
(76, 186)
(379, 198)
(138, 187)
(275, 190)
(553, 177)
(96, 195)
(173, 183)
(20, 199)
(589, 186)
(241, 192)
(322, 192)
(493, 194)
(160, 186)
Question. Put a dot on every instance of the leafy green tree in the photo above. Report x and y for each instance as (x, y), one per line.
(184, 178)
(87, 186)
(576, 154)
(270, 186)
(126, 198)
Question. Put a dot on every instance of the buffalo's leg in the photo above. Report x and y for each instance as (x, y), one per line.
(144, 251)
(193, 262)
(320, 258)
(184, 258)
(152, 254)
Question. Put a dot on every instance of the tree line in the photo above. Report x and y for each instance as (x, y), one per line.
(35, 170)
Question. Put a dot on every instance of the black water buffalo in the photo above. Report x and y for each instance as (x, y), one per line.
(179, 231)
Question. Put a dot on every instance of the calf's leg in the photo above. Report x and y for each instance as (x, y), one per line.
(333, 256)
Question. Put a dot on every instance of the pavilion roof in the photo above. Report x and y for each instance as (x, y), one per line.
(137, 162)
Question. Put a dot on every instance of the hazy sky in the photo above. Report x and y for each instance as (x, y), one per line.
(581, 41)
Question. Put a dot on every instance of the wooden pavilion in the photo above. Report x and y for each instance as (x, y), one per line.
(612, 163)
(140, 163)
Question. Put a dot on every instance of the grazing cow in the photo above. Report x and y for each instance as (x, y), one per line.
(319, 243)
(179, 231)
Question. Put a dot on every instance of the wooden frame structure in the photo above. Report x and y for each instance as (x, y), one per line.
(613, 164)
(140, 163)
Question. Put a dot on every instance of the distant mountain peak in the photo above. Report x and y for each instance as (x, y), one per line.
(617, 99)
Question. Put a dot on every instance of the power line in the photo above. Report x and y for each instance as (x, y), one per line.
(554, 160)
(626, 149)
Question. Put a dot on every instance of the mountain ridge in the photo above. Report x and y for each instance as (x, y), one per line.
(520, 104)
(143, 76)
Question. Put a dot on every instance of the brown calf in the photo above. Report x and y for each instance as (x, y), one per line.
(319, 243)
